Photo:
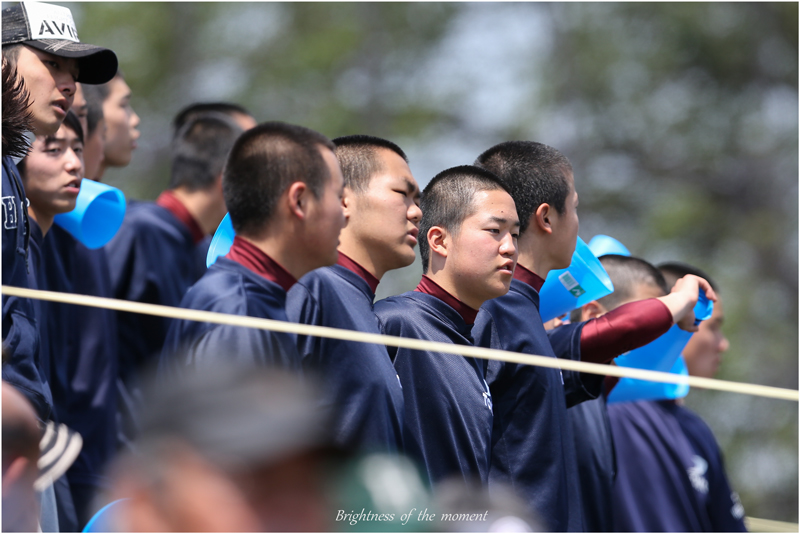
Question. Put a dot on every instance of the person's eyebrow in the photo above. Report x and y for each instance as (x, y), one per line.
(411, 187)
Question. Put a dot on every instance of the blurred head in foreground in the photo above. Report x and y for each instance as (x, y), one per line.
(228, 449)
(20, 454)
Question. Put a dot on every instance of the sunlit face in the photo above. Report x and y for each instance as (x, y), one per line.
(93, 151)
(50, 82)
(385, 218)
(53, 171)
(703, 353)
(565, 228)
(121, 124)
(482, 256)
(325, 215)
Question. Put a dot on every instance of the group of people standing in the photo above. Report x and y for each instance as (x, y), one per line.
(318, 223)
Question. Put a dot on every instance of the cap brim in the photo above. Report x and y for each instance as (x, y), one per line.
(96, 64)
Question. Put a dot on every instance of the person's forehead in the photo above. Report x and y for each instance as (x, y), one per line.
(491, 203)
(391, 166)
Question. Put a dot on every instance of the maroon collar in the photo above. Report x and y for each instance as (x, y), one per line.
(429, 287)
(529, 277)
(348, 263)
(252, 257)
(170, 202)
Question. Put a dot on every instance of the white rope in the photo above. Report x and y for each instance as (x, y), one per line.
(416, 344)
(755, 524)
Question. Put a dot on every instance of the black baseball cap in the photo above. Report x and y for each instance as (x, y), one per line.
(50, 28)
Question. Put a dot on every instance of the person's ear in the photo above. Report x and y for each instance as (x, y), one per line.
(348, 202)
(592, 310)
(542, 218)
(297, 199)
(438, 240)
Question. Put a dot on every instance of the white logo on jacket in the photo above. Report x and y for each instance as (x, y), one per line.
(9, 213)
(697, 474)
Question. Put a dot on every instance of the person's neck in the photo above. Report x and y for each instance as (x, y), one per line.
(449, 283)
(533, 255)
(204, 206)
(357, 252)
(44, 221)
(283, 249)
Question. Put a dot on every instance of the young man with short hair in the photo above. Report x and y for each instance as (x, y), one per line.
(638, 311)
(533, 447)
(468, 246)
(283, 188)
(121, 125)
(152, 257)
(382, 214)
(678, 482)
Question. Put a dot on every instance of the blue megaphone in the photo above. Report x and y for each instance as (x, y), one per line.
(222, 241)
(98, 214)
(662, 354)
(600, 245)
(583, 281)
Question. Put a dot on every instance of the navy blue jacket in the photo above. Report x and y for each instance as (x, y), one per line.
(533, 449)
(152, 259)
(448, 408)
(361, 386)
(671, 476)
(83, 341)
(594, 446)
(21, 366)
(229, 287)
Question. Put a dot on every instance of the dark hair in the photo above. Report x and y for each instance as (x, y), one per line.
(94, 106)
(199, 150)
(263, 163)
(104, 89)
(193, 110)
(628, 274)
(448, 199)
(358, 157)
(11, 53)
(16, 117)
(72, 122)
(673, 270)
(534, 174)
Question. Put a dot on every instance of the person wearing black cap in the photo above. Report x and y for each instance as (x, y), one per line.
(41, 41)
(42, 50)
(41, 45)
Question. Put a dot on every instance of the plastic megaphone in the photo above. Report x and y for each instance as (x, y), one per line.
(583, 281)
(662, 354)
(222, 240)
(97, 216)
(600, 245)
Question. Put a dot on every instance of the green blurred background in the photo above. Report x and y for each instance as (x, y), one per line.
(681, 121)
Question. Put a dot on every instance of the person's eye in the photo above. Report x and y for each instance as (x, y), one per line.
(493, 230)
